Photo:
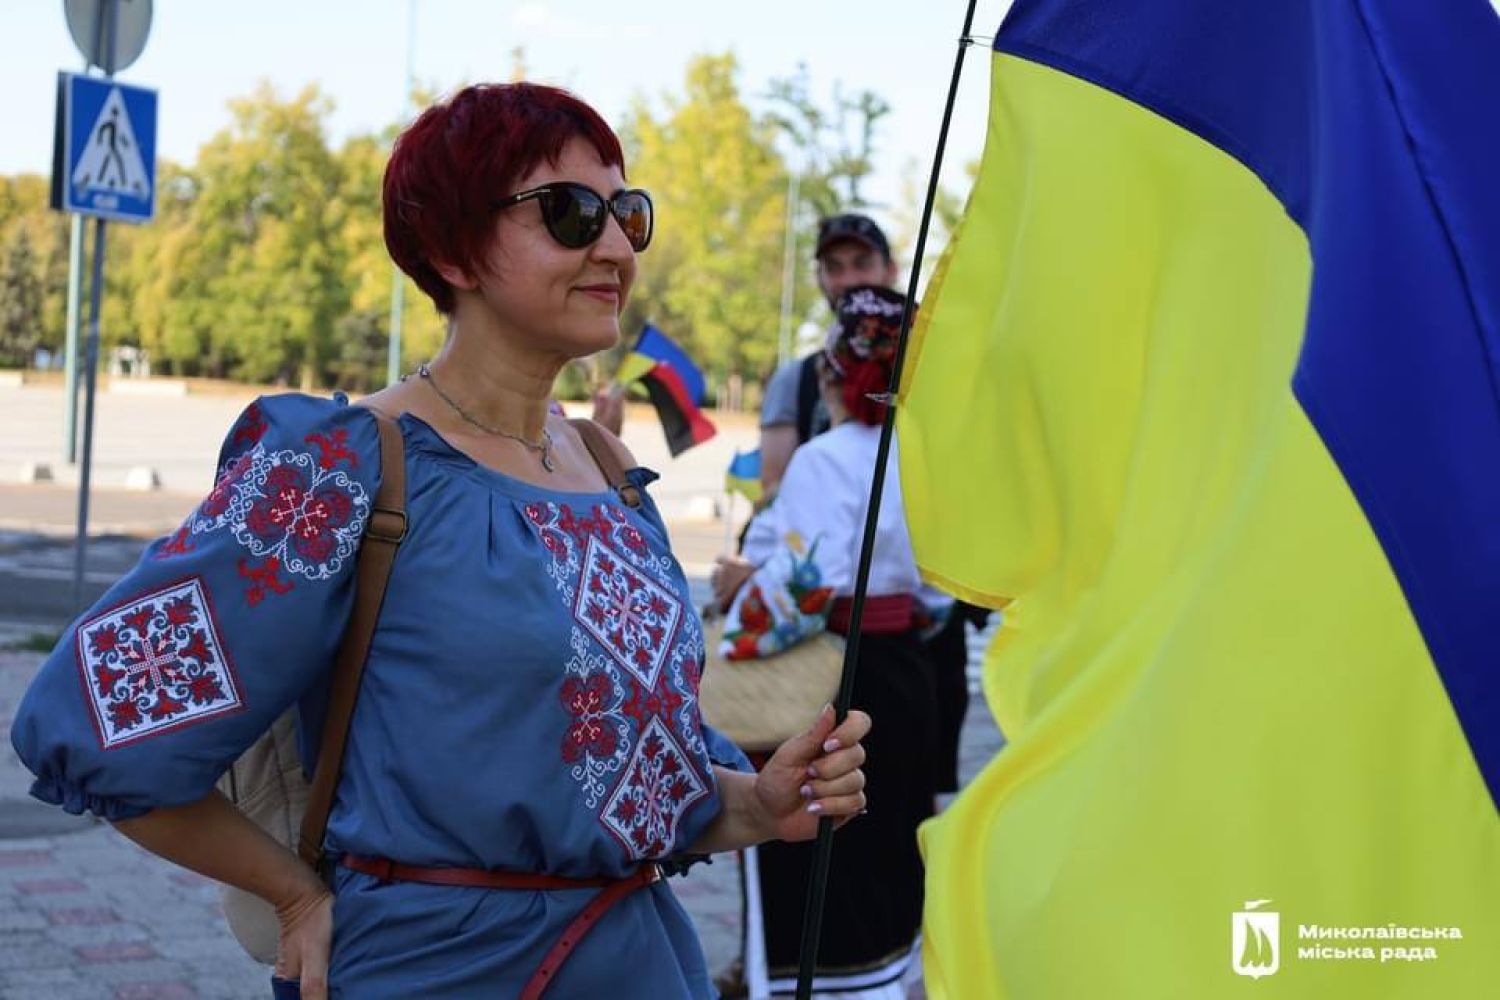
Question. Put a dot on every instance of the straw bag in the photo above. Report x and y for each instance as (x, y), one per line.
(762, 703)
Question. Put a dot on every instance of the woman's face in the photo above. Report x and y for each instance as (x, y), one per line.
(561, 299)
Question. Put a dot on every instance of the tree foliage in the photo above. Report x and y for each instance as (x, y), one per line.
(266, 260)
(20, 303)
(711, 279)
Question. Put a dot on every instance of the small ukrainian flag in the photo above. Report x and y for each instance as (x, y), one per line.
(743, 476)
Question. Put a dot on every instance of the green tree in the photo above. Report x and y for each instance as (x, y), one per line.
(356, 218)
(151, 269)
(834, 148)
(24, 208)
(261, 282)
(20, 303)
(947, 210)
(712, 277)
(360, 341)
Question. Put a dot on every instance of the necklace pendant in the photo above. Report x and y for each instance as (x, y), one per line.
(547, 461)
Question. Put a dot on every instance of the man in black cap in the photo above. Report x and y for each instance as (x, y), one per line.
(851, 251)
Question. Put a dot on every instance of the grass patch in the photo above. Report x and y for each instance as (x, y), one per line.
(36, 642)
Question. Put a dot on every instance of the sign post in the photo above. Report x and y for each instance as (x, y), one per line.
(104, 165)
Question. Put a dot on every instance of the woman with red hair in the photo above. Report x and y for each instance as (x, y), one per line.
(526, 757)
(796, 578)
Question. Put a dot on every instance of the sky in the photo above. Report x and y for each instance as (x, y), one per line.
(202, 53)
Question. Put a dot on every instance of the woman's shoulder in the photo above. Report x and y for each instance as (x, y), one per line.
(329, 433)
(848, 443)
(613, 447)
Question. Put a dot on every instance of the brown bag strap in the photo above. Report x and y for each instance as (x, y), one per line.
(386, 529)
(608, 462)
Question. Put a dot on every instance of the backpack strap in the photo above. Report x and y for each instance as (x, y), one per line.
(383, 534)
(807, 397)
(608, 462)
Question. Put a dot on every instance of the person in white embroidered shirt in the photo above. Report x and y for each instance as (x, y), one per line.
(795, 578)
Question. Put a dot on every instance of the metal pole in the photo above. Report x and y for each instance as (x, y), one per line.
(788, 272)
(398, 279)
(91, 352)
(812, 917)
(91, 373)
(70, 348)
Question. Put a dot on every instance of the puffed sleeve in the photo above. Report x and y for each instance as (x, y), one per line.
(802, 547)
(157, 688)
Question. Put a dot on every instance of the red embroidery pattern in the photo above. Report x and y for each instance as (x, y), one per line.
(592, 731)
(632, 739)
(250, 428)
(658, 787)
(263, 580)
(295, 513)
(558, 525)
(177, 545)
(216, 504)
(646, 703)
(155, 664)
(333, 448)
(633, 618)
(284, 505)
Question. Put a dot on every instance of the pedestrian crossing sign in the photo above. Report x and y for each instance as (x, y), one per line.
(104, 158)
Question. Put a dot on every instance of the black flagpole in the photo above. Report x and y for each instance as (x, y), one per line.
(812, 916)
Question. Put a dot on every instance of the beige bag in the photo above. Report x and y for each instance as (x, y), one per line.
(266, 783)
(760, 704)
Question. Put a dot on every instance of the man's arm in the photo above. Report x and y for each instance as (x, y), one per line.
(776, 447)
(778, 426)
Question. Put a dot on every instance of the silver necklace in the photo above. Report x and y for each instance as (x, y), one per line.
(542, 447)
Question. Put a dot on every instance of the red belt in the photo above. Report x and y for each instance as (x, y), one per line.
(612, 890)
(887, 614)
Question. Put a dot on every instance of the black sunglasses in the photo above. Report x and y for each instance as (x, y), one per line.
(576, 214)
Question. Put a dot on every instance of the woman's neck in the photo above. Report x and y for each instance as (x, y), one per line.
(833, 402)
(495, 381)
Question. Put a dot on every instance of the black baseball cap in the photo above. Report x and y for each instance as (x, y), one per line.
(851, 226)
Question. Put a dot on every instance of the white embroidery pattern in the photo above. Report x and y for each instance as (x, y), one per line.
(155, 664)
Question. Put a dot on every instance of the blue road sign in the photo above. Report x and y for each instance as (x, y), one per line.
(105, 161)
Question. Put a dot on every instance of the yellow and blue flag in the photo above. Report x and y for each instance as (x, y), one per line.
(743, 476)
(1205, 393)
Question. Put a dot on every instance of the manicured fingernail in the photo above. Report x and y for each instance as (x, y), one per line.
(806, 791)
(815, 807)
(812, 772)
(829, 746)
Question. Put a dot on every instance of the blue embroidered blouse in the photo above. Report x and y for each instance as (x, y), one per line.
(529, 702)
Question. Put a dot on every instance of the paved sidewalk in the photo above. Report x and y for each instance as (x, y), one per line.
(85, 915)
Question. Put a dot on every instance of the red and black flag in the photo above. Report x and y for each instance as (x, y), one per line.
(675, 385)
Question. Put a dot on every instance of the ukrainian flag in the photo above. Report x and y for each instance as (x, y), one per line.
(1205, 393)
(743, 476)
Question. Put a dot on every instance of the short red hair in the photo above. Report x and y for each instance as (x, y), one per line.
(463, 153)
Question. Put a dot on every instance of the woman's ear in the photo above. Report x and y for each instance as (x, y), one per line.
(456, 276)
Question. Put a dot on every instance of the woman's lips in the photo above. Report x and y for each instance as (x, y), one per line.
(604, 293)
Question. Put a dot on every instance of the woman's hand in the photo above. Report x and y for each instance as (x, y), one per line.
(214, 838)
(609, 408)
(306, 939)
(814, 775)
(728, 576)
